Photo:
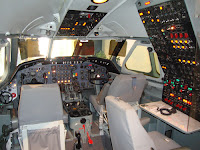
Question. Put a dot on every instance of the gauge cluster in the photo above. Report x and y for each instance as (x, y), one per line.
(73, 74)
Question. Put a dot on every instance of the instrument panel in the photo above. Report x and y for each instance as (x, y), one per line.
(73, 74)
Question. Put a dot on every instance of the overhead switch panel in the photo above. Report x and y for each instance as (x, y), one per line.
(79, 23)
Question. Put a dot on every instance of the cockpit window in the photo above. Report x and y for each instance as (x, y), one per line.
(30, 49)
(2, 61)
(67, 47)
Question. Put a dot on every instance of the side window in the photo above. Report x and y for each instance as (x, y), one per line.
(2, 61)
(141, 60)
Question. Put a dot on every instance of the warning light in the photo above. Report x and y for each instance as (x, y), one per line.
(190, 94)
(179, 60)
(174, 46)
(194, 62)
(179, 98)
(48, 72)
(161, 8)
(152, 20)
(184, 61)
(172, 41)
(181, 41)
(176, 41)
(147, 3)
(186, 41)
(172, 28)
(183, 47)
(141, 14)
(73, 28)
(148, 12)
(84, 23)
(143, 21)
(80, 44)
(58, 81)
(178, 46)
(164, 67)
(76, 23)
(162, 30)
(171, 94)
(158, 20)
(188, 61)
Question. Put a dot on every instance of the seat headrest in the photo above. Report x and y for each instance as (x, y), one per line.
(40, 103)
(128, 87)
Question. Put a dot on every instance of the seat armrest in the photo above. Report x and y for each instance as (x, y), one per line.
(182, 148)
(144, 120)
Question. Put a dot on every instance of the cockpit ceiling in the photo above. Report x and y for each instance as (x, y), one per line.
(46, 17)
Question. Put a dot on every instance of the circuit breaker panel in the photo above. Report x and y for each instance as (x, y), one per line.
(171, 33)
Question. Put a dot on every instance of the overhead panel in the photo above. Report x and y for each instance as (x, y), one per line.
(79, 23)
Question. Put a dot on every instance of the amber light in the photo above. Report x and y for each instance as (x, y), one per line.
(147, 3)
(99, 1)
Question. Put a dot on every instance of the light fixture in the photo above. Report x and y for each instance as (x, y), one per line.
(99, 1)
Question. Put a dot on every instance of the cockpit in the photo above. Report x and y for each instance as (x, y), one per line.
(99, 74)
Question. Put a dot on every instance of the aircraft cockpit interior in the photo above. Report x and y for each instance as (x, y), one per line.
(100, 75)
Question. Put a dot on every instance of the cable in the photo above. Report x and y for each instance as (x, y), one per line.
(169, 111)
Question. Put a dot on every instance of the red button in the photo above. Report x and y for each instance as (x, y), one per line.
(13, 95)
(185, 87)
(186, 35)
(180, 35)
(184, 109)
(171, 35)
(176, 35)
(89, 16)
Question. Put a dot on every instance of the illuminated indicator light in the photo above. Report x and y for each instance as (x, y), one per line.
(99, 1)
(174, 46)
(183, 47)
(179, 98)
(46, 77)
(65, 81)
(164, 67)
(172, 41)
(80, 44)
(49, 73)
(181, 85)
(176, 35)
(171, 94)
(177, 80)
(173, 87)
(166, 99)
(84, 23)
(172, 82)
(148, 12)
(158, 20)
(76, 23)
(190, 94)
(143, 21)
(162, 30)
(36, 70)
(179, 60)
(68, 80)
(62, 81)
(90, 65)
(185, 87)
(181, 91)
(14, 85)
(188, 61)
(184, 109)
(190, 89)
(184, 61)
(73, 28)
(180, 35)
(58, 81)
(53, 71)
(186, 35)
(194, 62)
(165, 84)
(176, 41)
(178, 46)
(152, 20)
(141, 14)
(161, 8)
(172, 27)
(186, 41)
(171, 35)
(181, 41)
(171, 103)
(96, 20)
(164, 81)
(147, 3)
